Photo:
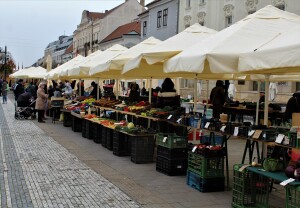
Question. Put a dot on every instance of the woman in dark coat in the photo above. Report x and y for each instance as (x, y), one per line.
(218, 98)
(167, 95)
(41, 100)
(292, 106)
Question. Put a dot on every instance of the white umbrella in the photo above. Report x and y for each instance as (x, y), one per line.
(31, 72)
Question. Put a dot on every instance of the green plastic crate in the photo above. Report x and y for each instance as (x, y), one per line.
(206, 167)
(292, 196)
(249, 190)
(171, 140)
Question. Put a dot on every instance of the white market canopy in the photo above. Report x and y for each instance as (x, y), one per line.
(220, 53)
(149, 64)
(30, 73)
(103, 61)
(113, 67)
(60, 71)
(279, 56)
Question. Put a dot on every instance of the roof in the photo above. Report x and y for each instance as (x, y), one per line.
(69, 49)
(123, 30)
(153, 2)
(98, 15)
(144, 12)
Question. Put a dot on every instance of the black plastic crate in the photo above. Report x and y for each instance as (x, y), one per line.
(205, 184)
(83, 128)
(67, 119)
(243, 131)
(88, 132)
(103, 136)
(76, 124)
(121, 144)
(97, 132)
(142, 148)
(171, 167)
(174, 153)
(109, 138)
(230, 127)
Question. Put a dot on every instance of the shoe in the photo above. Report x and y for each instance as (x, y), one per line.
(41, 121)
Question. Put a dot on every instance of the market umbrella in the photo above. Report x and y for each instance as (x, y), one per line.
(31, 72)
(60, 71)
(150, 63)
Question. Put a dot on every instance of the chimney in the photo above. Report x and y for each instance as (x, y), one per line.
(142, 2)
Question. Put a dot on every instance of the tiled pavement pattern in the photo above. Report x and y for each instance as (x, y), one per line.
(38, 172)
(55, 177)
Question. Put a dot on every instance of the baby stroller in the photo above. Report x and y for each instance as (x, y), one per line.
(25, 107)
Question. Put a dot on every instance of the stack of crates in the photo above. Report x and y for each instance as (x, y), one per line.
(206, 165)
(249, 190)
(292, 198)
(171, 154)
(142, 148)
(121, 144)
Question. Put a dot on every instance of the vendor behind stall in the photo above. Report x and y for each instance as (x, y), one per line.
(292, 106)
(217, 98)
(167, 95)
(134, 94)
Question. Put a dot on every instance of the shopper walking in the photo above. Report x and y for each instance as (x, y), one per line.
(40, 102)
(5, 89)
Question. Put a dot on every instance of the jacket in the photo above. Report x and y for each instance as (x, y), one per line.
(167, 99)
(292, 106)
(41, 98)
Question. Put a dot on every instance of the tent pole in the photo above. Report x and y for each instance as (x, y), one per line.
(79, 86)
(150, 90)
(117, 89)
(266, 111)
(207, 88)
(195, 94)
(98, 89)
(257, 102)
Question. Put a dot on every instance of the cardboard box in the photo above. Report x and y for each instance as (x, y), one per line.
(296, 119)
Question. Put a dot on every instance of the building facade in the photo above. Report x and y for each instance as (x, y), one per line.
(94, 26)
(127, 35)
(219, 14)
(57, 48)
(160, 20)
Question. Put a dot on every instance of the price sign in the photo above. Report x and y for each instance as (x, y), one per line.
(206, 125)
(165, 139)
(236, 131)
(257, 134)
(279, 138)
(194, 149)
(170, 116)
(251, 133)
(222, 128)
(178, 121)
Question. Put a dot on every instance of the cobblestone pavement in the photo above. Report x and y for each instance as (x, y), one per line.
(38, 172)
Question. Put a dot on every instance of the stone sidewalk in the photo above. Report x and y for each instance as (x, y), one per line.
(49, 165)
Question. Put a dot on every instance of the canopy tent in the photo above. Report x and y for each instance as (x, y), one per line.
(114, 66)
(220, 53)
(103, 60)
(31, 72)
(279, 56)
(59, 71)
(149, 64)
(81, 69)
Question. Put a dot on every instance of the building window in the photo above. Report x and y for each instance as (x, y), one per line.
(165, 17)
(144, 28)
(188, 4)
(158, 19)
(228, 21)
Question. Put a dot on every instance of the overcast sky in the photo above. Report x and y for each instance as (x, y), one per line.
(26, 27)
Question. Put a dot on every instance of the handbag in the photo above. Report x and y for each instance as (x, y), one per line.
(272, 164)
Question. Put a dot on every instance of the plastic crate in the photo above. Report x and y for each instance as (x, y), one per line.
(88, 132)
(67, 119)
(212, 140)
(292, 196)
(121, 144)
(96, 134)
(109, 138)
(206, 167)
(103, 136)
(175, 153)
(83, 127)
(76, 124)
(230, 127)
(142, 148)
(171, 167)
(207, 152)
(243, 131)
(171, 140)
(249, 190)
(204, 184)
(269, 135)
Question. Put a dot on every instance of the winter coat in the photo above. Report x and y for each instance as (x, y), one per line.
(167, 99)
(4, 89)
(292, 106)
(41, 98)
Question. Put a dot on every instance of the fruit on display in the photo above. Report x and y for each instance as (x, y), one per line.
(130, 125)
(290, 171)
(297, 174)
